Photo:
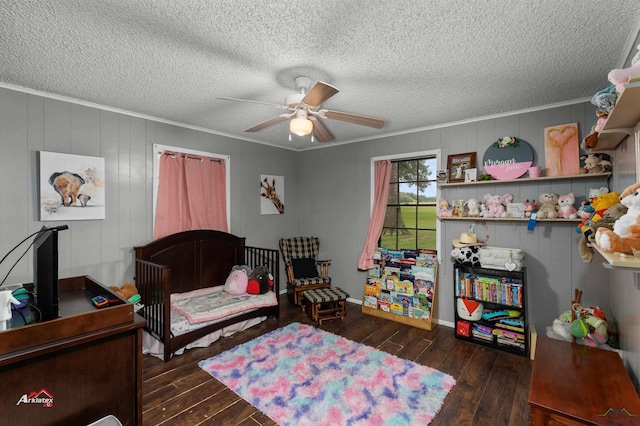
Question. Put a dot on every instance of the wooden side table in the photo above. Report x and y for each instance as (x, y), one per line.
(573, 384)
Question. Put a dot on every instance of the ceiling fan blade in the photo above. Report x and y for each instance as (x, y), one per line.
(269, 122)
(318, 94)
(255, 102)
(362, 120)
(320, 131)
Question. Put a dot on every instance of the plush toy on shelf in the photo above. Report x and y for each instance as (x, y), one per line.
(444, 209)
(548, 206)
(625, 236)
(566, 204)
(595, 163)
(599, 206)
(605, 100)
(622, 75)
(496, 205)
(587, 239)
(473, 207)
(530, 207)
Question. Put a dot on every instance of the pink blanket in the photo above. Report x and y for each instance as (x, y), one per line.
(210, 304)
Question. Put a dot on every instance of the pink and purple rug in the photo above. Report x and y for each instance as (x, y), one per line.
(300, 375)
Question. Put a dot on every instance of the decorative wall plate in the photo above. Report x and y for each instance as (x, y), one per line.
(508, 158)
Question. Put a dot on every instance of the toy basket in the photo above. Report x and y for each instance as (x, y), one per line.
(506, 259)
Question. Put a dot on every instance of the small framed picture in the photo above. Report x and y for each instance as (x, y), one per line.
(458, 163)
(442, 176)
(515, 210)
(471, 175)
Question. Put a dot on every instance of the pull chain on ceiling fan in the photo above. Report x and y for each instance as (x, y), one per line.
(304, 111)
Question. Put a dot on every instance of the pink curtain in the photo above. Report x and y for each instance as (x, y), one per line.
(171, 212)
(191, 194)
(207, 200)
(381, 196)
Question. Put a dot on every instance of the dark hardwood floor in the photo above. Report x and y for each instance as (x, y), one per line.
(492, 386)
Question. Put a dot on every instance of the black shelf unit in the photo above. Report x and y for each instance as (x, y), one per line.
(513, 282)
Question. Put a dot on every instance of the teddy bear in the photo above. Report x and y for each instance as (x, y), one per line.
(585, 243)
(473, 207)
(622, 75)
(566, 208)
(595, 163)
(625, 235)
(496, 205)
(529, 207)
(548, 206)
(127, 290)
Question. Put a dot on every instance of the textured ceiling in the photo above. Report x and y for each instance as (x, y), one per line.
(414, 64)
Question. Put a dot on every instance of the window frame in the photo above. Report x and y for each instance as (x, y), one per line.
(411, 156)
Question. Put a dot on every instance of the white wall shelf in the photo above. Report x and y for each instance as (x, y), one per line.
(510, 219)
(528, 180)
(622, 119)
(619, 260)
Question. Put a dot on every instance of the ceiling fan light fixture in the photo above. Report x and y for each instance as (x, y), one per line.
(301, 126)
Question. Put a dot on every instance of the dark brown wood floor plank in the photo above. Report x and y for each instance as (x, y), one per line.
(498, 394)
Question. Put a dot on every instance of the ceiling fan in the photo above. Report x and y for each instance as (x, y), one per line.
(303, 108)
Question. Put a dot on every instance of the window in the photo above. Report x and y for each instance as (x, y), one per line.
(410, 221)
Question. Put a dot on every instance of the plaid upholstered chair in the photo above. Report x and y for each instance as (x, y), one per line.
(300, 256)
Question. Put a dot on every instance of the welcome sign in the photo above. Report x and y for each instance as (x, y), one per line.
(508, 158)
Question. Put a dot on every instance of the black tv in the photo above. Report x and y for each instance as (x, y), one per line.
(45, 273)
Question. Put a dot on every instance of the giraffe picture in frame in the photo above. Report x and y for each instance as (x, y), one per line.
(271, 194)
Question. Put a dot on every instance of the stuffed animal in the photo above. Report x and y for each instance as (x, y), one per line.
(443, 208)
(599, 205)
(585, 243)
(466, 255)
(605, 100)
(496, 205)
(236, 282)
(548, 206)
(473, 207)
(596, 192)
(566, 208)
(127, 290)
(621, 76)
(625, 236)
(585, 210)
(260, 281)
(595, 163)
(530, 207)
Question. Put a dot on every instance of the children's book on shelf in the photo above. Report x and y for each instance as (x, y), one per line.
(370, 301)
